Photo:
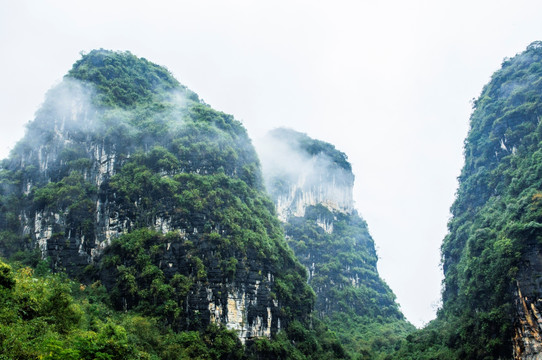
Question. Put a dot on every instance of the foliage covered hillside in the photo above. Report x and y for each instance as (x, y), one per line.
(130, 184)
(496, 228)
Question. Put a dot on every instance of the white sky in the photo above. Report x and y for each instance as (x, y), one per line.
(387, 82)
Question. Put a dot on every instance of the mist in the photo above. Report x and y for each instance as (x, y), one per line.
(296, 178)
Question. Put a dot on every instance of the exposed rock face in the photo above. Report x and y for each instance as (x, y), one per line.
(65, 130)
(241, 303)
(65, 245)
(330, 190)
(246, 309)
(527, 339)
(528, 320)
(311, 184)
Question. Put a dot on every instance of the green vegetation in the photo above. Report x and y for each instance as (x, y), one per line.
(341, 257)
(174, 189)
(497, 219)
(334, 246)
(123, 79)
(351, 297)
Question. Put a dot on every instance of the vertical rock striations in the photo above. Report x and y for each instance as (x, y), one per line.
(527, 343)
(301, 172)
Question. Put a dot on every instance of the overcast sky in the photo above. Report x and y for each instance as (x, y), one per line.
(387, 82)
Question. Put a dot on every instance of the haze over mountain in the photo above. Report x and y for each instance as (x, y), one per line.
(130, 184)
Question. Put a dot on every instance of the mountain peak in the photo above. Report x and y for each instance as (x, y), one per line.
(123, 79)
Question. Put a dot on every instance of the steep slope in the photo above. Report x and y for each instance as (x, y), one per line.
(492, 254)
(125, 177)
(311, 183)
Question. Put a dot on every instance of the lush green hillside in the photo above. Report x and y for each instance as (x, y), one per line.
(153, 201)
(489, 255)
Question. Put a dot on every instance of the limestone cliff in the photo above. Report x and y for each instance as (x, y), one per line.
(528, 300)
(491, 255)
(331, 191)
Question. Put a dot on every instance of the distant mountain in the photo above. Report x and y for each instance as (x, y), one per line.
(311, 184)
(491, 257)
(127, 182)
